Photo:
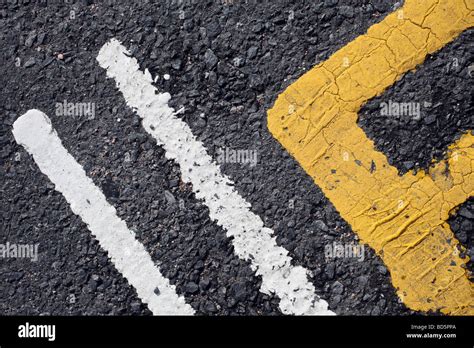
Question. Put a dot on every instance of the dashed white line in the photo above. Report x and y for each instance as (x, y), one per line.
(252, 241)
(35, 133)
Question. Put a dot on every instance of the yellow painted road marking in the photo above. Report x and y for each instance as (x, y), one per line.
(403, 218)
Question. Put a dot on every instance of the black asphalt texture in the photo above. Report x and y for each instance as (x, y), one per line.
(227, 64)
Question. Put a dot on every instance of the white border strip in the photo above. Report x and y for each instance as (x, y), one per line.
(252, 241)
(35, 133)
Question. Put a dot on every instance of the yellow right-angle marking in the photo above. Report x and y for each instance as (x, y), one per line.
(403, 218)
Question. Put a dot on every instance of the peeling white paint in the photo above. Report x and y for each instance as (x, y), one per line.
(35, 133)
(252, 241)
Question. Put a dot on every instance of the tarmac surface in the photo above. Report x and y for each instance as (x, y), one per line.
(225, 64)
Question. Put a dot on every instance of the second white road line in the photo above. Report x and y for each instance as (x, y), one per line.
(252, 241)
(35, 133)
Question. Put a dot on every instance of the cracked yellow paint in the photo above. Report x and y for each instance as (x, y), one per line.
(403, 218)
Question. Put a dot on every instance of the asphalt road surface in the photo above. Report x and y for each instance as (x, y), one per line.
(223, 64)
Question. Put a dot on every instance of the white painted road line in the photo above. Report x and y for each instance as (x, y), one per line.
(35, 133)
(252, 241)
